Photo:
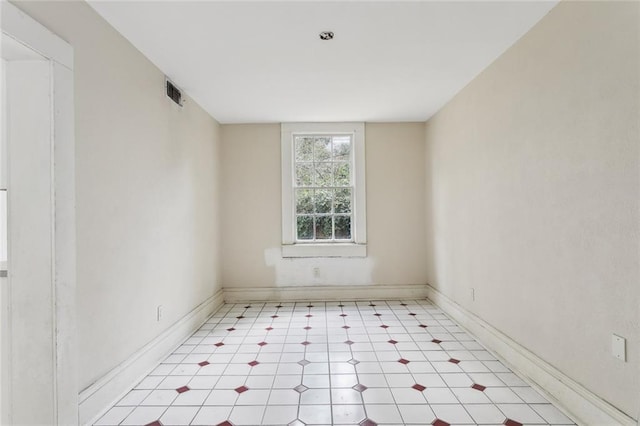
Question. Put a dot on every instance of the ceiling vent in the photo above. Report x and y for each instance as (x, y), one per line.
(174, 93)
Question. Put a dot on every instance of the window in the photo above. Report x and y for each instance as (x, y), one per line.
(323, 190)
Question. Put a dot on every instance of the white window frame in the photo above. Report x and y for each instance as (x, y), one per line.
(293, 248)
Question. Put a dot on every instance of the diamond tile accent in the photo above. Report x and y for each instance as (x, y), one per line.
(272, 397)
(241, 389)
(300, 388)
(360, 387)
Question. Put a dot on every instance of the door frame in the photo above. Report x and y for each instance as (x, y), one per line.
(61, 353)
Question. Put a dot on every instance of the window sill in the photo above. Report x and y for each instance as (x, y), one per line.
(324, 250)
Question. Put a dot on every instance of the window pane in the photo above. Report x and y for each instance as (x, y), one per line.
(304, 201)
(304, 148)
(323, 200)
(341, 176)
(322, 151)
(304, 174)
(342, 201)
(305, 227)
(341, 148)
(323, 228)
(343, 227)
(324, 174)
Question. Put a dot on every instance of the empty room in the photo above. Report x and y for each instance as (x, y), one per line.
(320, 213)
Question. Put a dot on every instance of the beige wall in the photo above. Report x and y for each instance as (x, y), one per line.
(251, 211)
(146, 192)
(532, 194)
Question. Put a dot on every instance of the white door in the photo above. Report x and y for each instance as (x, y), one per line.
(37, 299)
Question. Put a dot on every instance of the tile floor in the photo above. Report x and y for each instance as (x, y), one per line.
(332, 363)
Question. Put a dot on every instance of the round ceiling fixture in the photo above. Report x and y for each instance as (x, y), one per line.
(326, 35)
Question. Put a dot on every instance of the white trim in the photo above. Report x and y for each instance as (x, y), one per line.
(62, 374)
(325, 293)
(289, 246)
(106, 391)
(26, 30)
(324, 250)
(582, 405)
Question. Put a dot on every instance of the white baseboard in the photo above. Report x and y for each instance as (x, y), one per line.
(101, 395)
(582, 405)
(324, 292)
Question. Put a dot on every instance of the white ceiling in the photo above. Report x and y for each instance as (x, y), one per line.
(249, 62)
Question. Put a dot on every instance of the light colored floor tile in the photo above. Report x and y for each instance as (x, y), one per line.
(114, 416)
(485, 413)
(247, 414)
(383, 413)
(551, 414)
(315, 414)
(143, 415)
(212, 415)
(280, 415)
(347, 414)
(452, 413)
(178, 416)
(329, 370)
(416, 414)
(521, 413)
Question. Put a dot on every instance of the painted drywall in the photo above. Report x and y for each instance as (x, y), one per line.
(532, 195)
(251, 208)
(146, 190)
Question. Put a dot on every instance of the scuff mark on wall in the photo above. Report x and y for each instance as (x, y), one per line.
(319, 270)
